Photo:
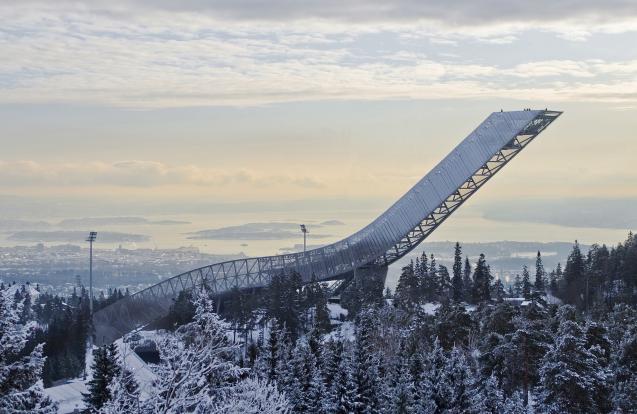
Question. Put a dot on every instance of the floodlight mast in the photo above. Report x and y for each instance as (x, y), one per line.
(305, 232)
(90, 239)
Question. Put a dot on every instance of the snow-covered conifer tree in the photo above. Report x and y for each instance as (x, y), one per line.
(343, 390)
(526, 283)
(331, 360)
(625, 390)
(458, 287)
(196, 366)
(307, 390)
(267, 362)
(251, 396)
(408, 289)
(571, 376)
(436, 386)
(20, 376)
(444, 284)
(365, 365)
(105, 367)
(515, 405)
(460, 381)
(539, 274)
(284, 376)
(402, 396)
(489, 399)
(124, 395)
(467, 283)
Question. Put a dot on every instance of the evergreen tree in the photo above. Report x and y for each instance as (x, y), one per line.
(489, 399)
(124, 395)
(597, 341)
(498, 290)
(460, 381)
(271, 352)
(284, 301)
(494, 357)
(454, 326)
(433, 282)
(574, 276)
(457, 281)
(344, 390)
(251, 396)
(284, 358)
(307, 386)
(552, 288)
(196, 363)
(316, 345)
(104, 369)
(515, 405)
(181, 311)
(365, 366)
(625, 389)
(527, 347)
(481, 281)
(444, 284)
(571, 377)
(322, 315)
(353, 296)
(559, 277)
(407, 291)
(422, 273)
(539, 274)
(466, 281)
(437, 387)
(517, 286)
(402, 396)
(20, 370)
(526, 283)
(332, 357)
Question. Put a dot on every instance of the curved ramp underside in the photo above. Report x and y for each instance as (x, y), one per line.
(392, 235)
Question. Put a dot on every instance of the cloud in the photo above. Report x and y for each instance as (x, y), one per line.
(137, 174)
(454, 12)
(558, 68)
(143, 54)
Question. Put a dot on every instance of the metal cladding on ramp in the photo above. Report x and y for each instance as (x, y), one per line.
(392, 235)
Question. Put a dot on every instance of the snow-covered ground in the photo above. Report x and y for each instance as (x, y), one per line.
(130, 360)
(68, 395)
(430, 308)
(336, 310)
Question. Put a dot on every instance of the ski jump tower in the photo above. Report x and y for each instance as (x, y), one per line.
(392, 235)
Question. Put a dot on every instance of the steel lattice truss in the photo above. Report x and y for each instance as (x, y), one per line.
(388, 238)
(468, 188)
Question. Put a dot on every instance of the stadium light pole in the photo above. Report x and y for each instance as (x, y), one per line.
(90, 239)
(305, 232)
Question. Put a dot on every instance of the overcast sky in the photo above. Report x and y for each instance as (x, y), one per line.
(244, 101)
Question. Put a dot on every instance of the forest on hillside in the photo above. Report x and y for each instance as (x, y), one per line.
(562, 340)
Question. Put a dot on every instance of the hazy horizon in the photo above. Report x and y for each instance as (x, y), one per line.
(229, 114)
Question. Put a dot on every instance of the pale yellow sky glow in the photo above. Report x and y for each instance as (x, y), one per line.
(149, 102)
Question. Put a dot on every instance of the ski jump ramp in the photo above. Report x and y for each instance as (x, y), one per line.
(392, 235)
